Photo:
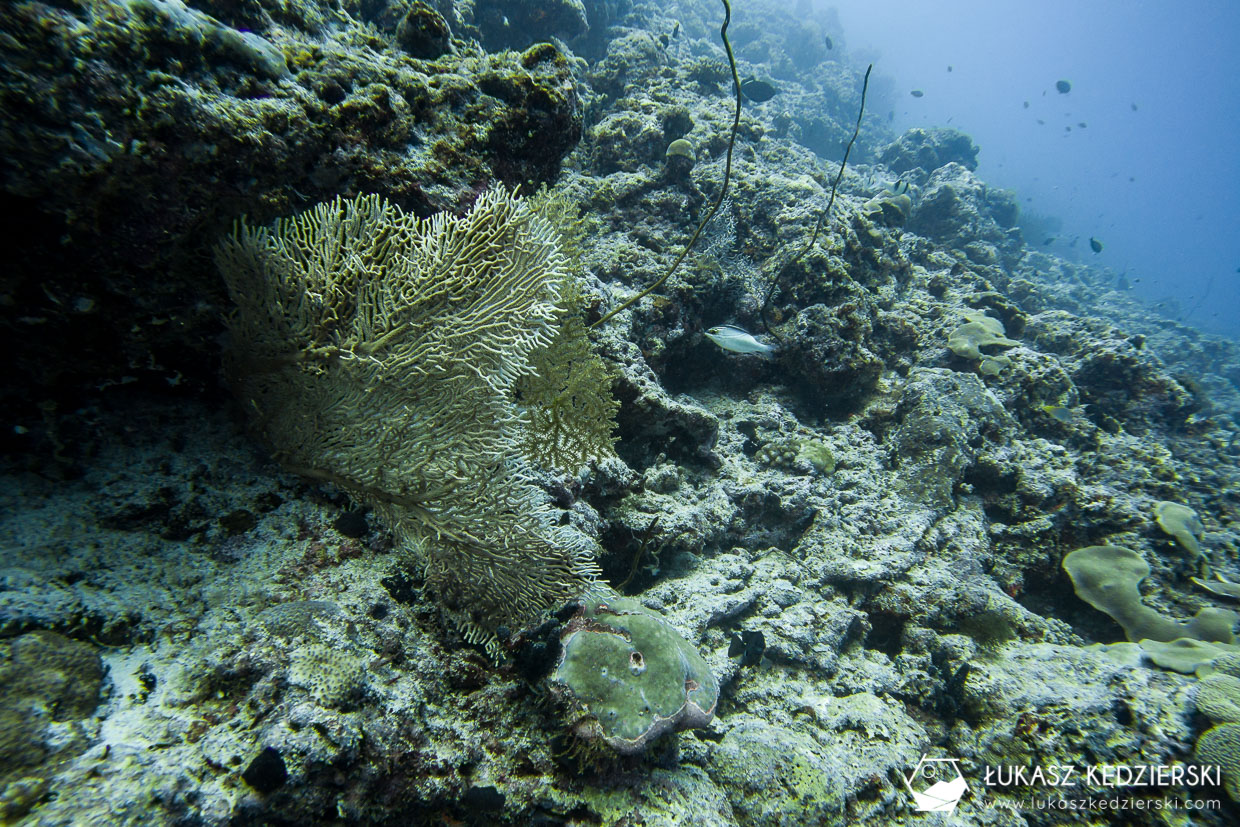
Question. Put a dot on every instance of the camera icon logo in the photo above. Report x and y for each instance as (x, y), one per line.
(936, 785)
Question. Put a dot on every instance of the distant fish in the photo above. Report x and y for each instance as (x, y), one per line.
(1063, 86)
(1041, 122)
(759, 91)
(949, 67)
(1095, 244)
(737, 340)
(917, 93)
(1067, 129)
(676, 31)
(1059, 413)
(826, 41)
(1050, 240)
(900, 187)
(1026, 104)
(1134, 107)
(1081, 124)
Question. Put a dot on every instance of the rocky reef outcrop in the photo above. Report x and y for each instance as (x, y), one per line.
(845, 543)
(135, 133)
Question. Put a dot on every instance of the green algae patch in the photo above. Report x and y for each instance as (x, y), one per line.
(680, 148)
(1218, 587)
(978, 331)
(888, 208)
(1180, 522)
(993, 365)
(1184, 655)
(1107, 578)
(631, 676)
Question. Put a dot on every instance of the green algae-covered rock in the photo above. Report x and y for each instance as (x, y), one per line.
(776, 776)
(44, 677)
(63, 676)
(632, 674)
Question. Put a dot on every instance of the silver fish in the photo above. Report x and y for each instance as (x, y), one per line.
(736, 340)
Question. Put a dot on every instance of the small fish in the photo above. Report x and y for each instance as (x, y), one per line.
(1081, 124)
(759, 91)
(737, 340)
(676, 31)
(1026, 104)
(949, 68)
(1059, 413)
(665, 40)
(1063, 86)
(826, 41)
(1041, 122)
(917, 93)
(1134, 107)
(749, 646)
(899, 187)
(1095, 244)
(1050, 240)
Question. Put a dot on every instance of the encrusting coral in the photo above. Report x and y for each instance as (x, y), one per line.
(1107, 578)
(1180, 522)
(379, 352)
(630, 675)
(978, 331)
